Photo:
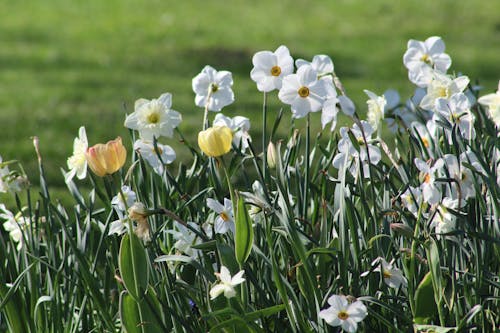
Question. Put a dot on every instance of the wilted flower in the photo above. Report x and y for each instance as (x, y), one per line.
(341, 313)
(77, 163)
(392, 275)
(156, 158)
(227, 283)
(213, 89)
(138, 213)
(492, 102)
(106, 159)
(154, 118)
(240, 127)
(225, 219)
(215, 141)
(271, 67)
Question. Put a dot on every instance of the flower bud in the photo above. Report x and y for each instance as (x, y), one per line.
(271, 155)
(215, 141)
(106, 159)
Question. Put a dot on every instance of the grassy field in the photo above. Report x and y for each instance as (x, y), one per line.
(64, 64)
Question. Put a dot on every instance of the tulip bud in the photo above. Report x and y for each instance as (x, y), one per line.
(215, 141)
(271, 155)
(106, 159)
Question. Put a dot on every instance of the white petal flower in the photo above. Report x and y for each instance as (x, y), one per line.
(341, 313)
(14, 225)
(122, 203)
(303, 91)
(185, 238)
(392, 275)
(225, 219)
(492, 102)
(442, 86)
(270, 68)
(154, 118)
(240, 127)
(321, 63)
(213, 89)
(77, 163)
(444, 221)
(156, 158)
(456, 110)
(4, 173)
(412, 199)
(227, 283)
(118, 227)
(376, 109)
(430, 191)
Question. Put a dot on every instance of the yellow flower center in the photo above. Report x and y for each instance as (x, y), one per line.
(276, 71)
(157, 150)
(214, 88)
(427, 178)
(442, 92)
(426, 143)
(303, 92)
(343, 315)
(387, 274)
(224, 216)
(153, 118)
(425, 58)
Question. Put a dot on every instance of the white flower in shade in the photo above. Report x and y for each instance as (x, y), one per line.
(77, 163)
(270, 68)
(156, 158)
(303, 91)
(239, 126)
(14, 225)
(123, 200)
(442, 86)
(118, 227)
(412, 199)
(346, 105)
(463, 175)
(341, 313)
(154, 118)
(185, 238)
(227, 283)
(376, 109)
(225, 219)
(422, 57)
(492, 102)
(426, 134)
(456, 110)
(444, 221)
(430, 191)
(213, 89)
(393, 277)
(4, 177)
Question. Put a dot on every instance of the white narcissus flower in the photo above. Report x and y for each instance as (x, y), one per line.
(156, 158)
(376, 109)
(225, 219)
(239, 126)
(426, 134)
(227, 283)
(154, 118)
(185, 238)
(303, 91)
(4, 173)
(77, 163)
(462, 174)
(270, 68)
(456, 110)
(492, 102)
(412, 199)
(444, 221)
(341, 313)
(213, 89)
(430, 191)
(442, 86)
(14, 225)
(423, 57)
(392, 275)
(123, 200)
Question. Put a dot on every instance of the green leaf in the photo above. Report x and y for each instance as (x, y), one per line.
(252, 316)
(432, 329)
(142, 316)
(425, 306)
(133, 264)
(244, 232)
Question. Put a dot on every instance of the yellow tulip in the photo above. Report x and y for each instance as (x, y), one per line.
(215, 141)
(106, 159)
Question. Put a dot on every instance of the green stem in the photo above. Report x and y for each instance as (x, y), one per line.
(306, 173)
(264, 130)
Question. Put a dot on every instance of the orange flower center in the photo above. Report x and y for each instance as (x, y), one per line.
(224, 216)
(425, 142)
(303, 92)
(276, 71)
(387, 274)
(343, 315)
(427, 178)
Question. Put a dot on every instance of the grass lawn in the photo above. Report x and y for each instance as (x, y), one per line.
(64, 64)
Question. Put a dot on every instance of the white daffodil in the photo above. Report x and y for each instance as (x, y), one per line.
(303, 91)
(213, 89)
(225, 219)
(341, 313)
(239, 126)
(492, 103)
(185, 238)
(392, 275)
(154, 118)
(156, 158)
(14, 225)
(4, 175)
(412, 199)
(227, 283)
(426, 134)
(118, 227)
(122, 201)
(430, 191)
(422, 57)
(463, 176)
(456, 110)
(444, 221)
(270, 68)
(321, 63)
(77, 163)
(442, 86)
(376, 109)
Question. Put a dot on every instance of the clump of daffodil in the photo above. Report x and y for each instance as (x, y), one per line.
(215, 141)
(106, 159)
